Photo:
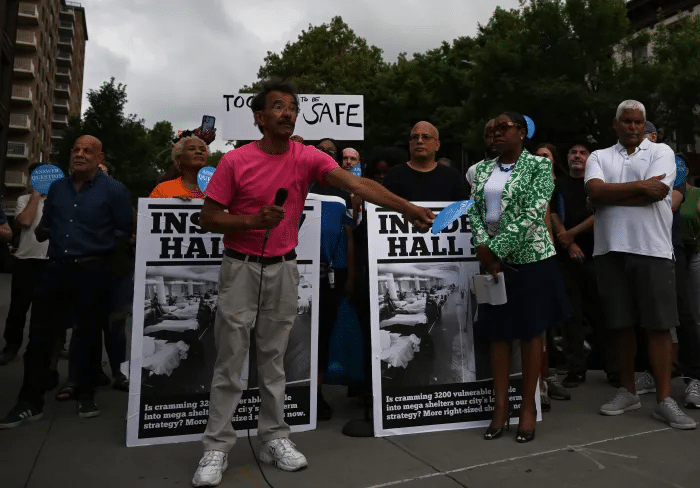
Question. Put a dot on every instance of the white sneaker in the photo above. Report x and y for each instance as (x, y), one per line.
(645, 383)
(668, 411)
(621, 403)
(692, 394)
(211, 469)
(283, 454)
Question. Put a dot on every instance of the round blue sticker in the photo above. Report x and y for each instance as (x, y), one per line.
(204, 176)
(356, 170)
(44, 176)
(681, 171)
(530, 126)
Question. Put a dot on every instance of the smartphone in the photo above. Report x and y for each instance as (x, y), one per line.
(207, 123)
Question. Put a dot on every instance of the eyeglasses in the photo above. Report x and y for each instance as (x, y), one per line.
(330, 152)
(426, 137)
(501, 128)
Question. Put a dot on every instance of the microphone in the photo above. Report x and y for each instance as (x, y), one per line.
(280, 198)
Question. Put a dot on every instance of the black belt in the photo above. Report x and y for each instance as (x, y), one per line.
(78, 259)
(260, 259)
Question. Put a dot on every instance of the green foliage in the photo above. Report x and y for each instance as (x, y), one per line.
(214, 158)
(329, 58)
(137, 153)
(561, 62)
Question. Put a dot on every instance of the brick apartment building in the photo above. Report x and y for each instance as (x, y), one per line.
(46, 87)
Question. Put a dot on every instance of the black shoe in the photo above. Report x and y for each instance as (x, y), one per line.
(87, 407)
(525, 436)
(21, 413)
(494, 433)
(7, 355)
(323, 410)
(573, 380)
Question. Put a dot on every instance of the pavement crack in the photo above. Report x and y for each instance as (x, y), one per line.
(437, 470)
(41, 448)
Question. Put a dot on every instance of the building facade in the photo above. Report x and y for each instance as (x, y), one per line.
(8, 33)
(47, 86)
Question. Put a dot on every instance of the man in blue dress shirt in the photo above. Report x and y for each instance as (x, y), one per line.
(82, 215)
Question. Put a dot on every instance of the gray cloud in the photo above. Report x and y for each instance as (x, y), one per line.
(179, 57)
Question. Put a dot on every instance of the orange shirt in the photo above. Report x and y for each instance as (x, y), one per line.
(174, 188)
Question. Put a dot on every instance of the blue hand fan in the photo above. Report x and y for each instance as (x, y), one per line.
(204, 176)
(681, 171)
(530, 127)
(449, 214)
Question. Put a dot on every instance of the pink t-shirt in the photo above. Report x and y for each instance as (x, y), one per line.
(247, 179)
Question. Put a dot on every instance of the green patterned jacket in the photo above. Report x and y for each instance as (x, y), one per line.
(523, 236)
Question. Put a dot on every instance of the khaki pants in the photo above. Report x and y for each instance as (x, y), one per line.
(239, 282)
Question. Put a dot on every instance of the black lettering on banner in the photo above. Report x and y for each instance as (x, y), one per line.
(175, 223)
(188, 414)
(338, 112)
(194, 219)
(397, 246)
(443, 404)
(155, 218)
(196, 249)
(238, 102)
(352, 114)
(325, 110)
(171, 244)
(399, 224)
(228, 97)
(313, 110)
(382, 224)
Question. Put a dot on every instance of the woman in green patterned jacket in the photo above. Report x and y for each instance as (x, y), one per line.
(511, 194)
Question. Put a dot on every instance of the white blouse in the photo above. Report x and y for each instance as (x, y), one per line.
(493, 190)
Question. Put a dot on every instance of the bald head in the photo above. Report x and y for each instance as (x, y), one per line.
(86, 156)
(424, 127)
(424, 144)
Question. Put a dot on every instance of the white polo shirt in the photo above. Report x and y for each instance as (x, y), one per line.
(644, 230)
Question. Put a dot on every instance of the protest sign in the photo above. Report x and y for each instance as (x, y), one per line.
(173, 350)
(340, 117)
(428, 370)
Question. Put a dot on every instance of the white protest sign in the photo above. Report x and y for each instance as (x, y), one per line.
(340, 117)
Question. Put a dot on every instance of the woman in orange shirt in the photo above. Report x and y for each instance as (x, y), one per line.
(189, 154)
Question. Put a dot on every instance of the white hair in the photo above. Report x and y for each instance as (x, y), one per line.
(179, 148)
(631, 105)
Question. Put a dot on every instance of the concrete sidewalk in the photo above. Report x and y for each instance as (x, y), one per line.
(574, 447)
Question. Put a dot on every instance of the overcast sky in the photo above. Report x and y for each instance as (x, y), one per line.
(178, 57)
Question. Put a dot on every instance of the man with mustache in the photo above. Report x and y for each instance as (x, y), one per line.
(630, 186)
(83, 213)
(259, 278)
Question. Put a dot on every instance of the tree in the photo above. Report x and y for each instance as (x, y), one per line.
(553, 61)
(674, 72)
(326, 59)
(127, 143)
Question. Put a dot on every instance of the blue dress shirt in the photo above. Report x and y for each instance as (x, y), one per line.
(85, 222)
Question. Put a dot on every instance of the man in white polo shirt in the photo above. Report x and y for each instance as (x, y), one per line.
(630, 186)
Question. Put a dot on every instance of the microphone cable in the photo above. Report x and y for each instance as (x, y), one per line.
(280, 198)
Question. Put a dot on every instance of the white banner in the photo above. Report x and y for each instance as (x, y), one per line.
(428, 371)
(339, 117)
(173, 351)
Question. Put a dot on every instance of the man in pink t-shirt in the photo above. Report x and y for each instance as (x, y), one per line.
(260, 238)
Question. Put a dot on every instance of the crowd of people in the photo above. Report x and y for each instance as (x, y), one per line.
(591, 251)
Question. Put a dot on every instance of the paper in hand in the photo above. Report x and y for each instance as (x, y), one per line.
(488, 291)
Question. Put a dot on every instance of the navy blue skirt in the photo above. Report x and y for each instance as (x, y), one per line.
(536, 301)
